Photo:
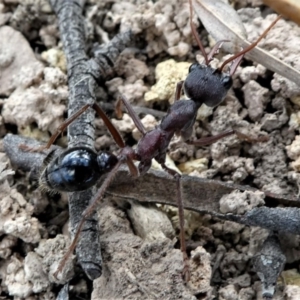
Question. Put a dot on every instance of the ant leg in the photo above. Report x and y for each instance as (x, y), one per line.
(112, 129)
(118, 109)
(136, 120)
(116, 136)
(215, 50)
(59, 130)
(212, 139)
(235, 63)
(251, 139)
(88, 211)
(114, 132)
(178, 90)
(177, 177)
(132, 167)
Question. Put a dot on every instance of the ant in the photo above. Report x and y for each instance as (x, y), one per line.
(80, 168)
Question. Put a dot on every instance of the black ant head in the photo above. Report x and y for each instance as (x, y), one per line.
(205, 84)
(106, 161)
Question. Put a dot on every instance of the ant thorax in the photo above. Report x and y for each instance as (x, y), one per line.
(180, 115)
(207, 85)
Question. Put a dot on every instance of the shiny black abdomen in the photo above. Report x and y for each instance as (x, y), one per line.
(77, 169)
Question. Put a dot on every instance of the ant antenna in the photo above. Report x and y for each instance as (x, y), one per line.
(195, 34)
(250, 47)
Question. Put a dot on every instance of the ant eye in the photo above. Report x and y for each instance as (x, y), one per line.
(193, 67)
(227, 81)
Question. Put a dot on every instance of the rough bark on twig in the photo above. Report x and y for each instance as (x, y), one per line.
(82, 75)
(200, 194)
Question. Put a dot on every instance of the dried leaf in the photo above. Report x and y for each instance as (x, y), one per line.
(287, 8)
(221, 21)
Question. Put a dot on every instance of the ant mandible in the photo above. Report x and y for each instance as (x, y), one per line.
(80, 168)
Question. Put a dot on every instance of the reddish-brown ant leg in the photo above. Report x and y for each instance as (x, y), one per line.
(112, 129)
(251, 139)
(178, 90)
(118, 109)
(235, 63)
(59, 130)
(116, 136)
(177, 177)
(215, 50)
(137, 122)
(212, 139)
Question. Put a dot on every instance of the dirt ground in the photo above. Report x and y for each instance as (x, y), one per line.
(139, 243)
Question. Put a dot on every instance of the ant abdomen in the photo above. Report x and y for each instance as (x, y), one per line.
(77, 169)
(207, 85)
